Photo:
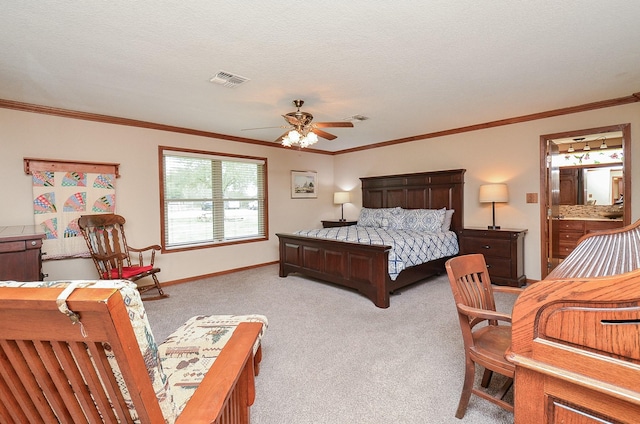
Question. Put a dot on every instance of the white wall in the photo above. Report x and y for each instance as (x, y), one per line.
(509, 154)
(33, 135)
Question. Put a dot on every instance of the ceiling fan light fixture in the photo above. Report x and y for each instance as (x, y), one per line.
(295, 138)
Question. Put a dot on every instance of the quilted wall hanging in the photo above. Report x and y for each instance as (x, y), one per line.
(62, 192)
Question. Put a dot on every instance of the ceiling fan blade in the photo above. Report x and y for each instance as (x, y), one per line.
(292, 120)
(333, 124)
(324, 134)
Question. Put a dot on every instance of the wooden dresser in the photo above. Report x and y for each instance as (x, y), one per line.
(503, 252)
(20, 253)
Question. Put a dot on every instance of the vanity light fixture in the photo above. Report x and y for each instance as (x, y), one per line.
(604, 143)
(571, 149)
(579, 139)
(586, 147)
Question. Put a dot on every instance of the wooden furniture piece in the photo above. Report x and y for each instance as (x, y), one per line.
(337, 223)
(86, 364)
(567, 232)
(365, 267)
(576, 334)
(569, 187)
(575, 348)
(484, 345)
(20, 253)
(602, 253)
(503, 251)
(105, 237)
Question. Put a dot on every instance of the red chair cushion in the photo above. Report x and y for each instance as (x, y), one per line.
(128, 272)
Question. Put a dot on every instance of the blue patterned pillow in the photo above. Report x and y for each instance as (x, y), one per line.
(423, 220)
(378, 217)
(394, 220)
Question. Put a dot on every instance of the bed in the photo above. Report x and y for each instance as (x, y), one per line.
(365, 267)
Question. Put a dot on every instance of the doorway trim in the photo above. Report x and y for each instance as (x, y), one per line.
(544, 189)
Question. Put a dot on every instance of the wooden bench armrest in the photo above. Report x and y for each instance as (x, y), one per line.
(232, 369)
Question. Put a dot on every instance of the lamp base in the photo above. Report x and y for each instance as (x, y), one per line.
(494, 227)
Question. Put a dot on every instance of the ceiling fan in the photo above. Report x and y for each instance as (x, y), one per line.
(302, 131)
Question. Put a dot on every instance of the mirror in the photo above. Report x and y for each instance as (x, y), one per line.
(591, 169)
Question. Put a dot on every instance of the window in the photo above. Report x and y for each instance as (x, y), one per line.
(211, 199)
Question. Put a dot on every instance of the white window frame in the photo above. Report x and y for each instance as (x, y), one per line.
(215, 207)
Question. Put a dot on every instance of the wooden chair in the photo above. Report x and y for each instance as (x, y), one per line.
(90, 359)
(483, 345)
(105, 237)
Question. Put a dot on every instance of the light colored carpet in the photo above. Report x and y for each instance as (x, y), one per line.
(331, 356)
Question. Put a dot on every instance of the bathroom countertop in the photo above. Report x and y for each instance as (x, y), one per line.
(573, 218)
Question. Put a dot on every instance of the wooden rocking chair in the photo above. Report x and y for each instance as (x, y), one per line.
(105, 237)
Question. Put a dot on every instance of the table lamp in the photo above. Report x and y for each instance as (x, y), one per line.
(492, 193)
(340, 198)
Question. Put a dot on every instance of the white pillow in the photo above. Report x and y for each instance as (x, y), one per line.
(446, 224)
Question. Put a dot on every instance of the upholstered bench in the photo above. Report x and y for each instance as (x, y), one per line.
(174, 371)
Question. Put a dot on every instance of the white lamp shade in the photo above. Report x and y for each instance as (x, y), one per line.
(494, 193)
(341, 197)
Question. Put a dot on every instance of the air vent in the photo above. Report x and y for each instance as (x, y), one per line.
(357, 118)
(228, 79)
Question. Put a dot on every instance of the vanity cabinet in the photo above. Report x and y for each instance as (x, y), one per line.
(567, 232)
(20, 253)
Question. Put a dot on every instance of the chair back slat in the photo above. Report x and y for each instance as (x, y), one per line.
(104, 234)
(471, 284)
(51, 371)
(24, 400)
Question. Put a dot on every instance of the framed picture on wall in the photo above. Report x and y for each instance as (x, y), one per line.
(304, 184)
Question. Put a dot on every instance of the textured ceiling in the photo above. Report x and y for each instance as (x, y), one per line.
(411, 67)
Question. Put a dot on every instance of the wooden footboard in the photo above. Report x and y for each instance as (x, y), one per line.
(361, 267)
(364, 268)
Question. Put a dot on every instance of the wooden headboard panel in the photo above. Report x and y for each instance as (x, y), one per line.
(423, 190)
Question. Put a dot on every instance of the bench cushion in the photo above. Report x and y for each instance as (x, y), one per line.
(187, 354)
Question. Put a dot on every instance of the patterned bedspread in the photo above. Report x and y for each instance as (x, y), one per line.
(408, 248)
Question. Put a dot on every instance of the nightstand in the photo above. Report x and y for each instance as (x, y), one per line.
(337, 223)
(503, 252)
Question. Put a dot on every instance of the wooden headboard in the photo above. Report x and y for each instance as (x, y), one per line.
(422, 190)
